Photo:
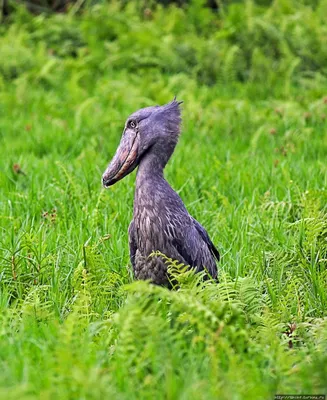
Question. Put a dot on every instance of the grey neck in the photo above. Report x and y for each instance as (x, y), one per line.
(154, 161)
(150, 168)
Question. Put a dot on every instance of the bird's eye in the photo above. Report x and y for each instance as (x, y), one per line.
(132, 124)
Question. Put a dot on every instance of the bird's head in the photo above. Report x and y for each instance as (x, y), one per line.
(151, 129)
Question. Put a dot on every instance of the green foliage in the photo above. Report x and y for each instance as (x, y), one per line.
(243, 41)
(250, 166)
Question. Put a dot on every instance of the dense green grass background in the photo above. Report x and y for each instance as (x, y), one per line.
(250, 166)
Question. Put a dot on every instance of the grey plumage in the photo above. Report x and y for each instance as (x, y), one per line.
(160, 221)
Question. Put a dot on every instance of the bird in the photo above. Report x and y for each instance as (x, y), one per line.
(161, 224)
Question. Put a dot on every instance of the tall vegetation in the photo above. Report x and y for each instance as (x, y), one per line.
(250, 165)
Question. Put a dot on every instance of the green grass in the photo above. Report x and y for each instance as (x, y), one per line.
(250, 166)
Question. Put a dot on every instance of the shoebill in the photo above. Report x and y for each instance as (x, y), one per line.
(161, 221)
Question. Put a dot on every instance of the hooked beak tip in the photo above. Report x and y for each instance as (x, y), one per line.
(105, 183)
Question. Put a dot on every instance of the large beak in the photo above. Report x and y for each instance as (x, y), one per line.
(124, 161)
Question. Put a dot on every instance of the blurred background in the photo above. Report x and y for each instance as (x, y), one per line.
(212, 41)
